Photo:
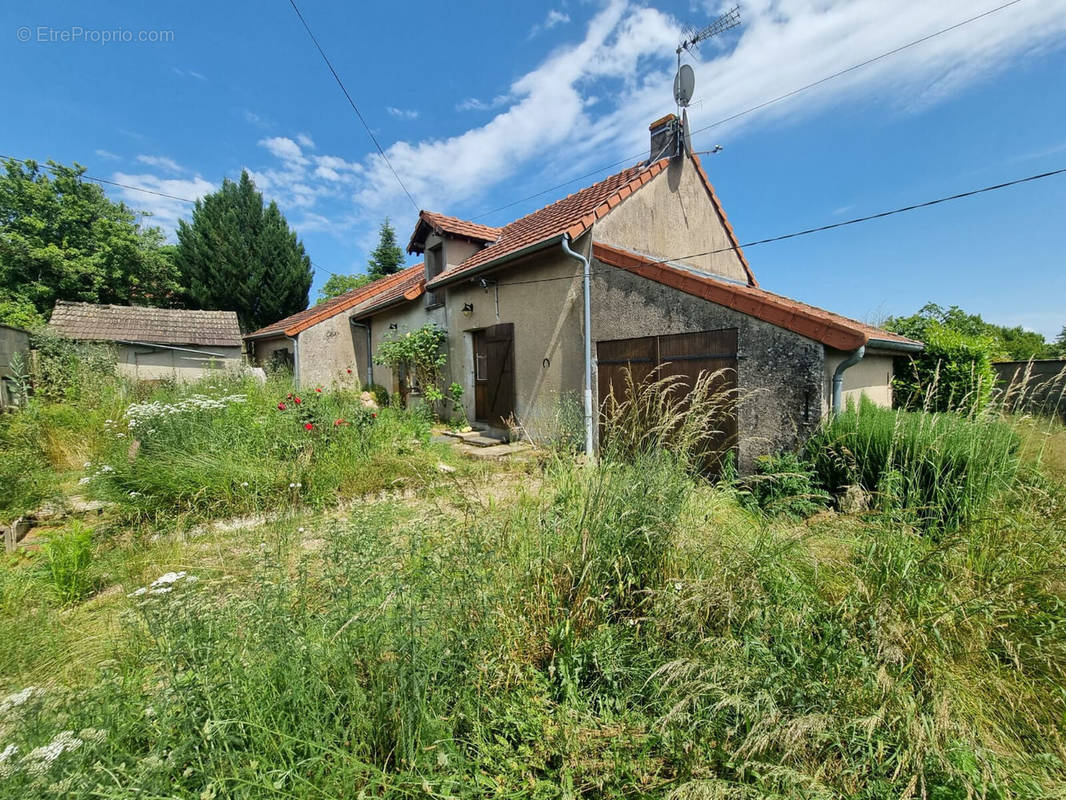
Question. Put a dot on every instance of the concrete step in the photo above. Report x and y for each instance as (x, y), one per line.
(482, 441)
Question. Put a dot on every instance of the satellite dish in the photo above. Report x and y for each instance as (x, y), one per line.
(684, 85)
(686, 136)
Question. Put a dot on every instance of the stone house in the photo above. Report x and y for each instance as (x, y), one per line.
(641, 270)
(153, 344)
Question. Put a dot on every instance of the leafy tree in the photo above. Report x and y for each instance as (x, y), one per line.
(61, 238)
(1014, 344)
(1060, 343)
(387, 257)
(239, 255)
(339, 284)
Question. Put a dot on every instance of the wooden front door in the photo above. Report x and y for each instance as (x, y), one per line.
(686, 355)
(494, 391)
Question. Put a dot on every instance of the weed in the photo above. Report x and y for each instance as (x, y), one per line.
(68, 558)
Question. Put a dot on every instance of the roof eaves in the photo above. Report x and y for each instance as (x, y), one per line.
(815, 324)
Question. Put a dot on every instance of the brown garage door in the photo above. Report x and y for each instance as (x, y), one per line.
(687, 355)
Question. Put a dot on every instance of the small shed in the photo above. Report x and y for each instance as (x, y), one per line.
(156, 343)
(13, 341)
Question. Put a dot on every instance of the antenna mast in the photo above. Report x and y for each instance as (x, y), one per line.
(684, 81)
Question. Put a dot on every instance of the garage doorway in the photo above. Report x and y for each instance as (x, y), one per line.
(685, 355)
(494, 390)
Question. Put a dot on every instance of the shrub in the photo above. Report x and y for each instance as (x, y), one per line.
(942, 469)
(953, 373)
(783, 484)
(419, 353)
(71, 371)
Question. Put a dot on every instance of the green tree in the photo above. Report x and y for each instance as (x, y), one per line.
(1014, 344)
(387, 257)
(339, 284)
(61, 238)
(1060, 344)
(240, 255)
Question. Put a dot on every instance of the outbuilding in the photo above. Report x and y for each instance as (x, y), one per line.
(152, 344)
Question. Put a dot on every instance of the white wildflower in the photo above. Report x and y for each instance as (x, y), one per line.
(299, 530)
(292, 485)
(83, 481)
(88, 464)
(162, 590)
(135, 494)
(168, 579)
(138, 592)
(7, 761)
(298, 485)
(8, 752)
(244, 484)
(40, 758)
(19, 698)
(107, 468)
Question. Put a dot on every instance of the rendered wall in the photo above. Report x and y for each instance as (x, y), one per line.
(871, 377)
(543, 298)
(145, 363)
(328, 351)
(406, 317)
(780, 373)
(670, 217)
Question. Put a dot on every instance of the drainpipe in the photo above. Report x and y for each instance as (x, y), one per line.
(369, 363)
(838, 378)
(588, 344)
(295, 360)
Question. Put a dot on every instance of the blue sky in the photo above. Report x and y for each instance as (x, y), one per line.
(480, 104)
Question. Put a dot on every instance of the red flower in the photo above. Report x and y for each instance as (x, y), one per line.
(308, 426)
(349, 372)
(281, 406)
(288, 396)
(296, 400)
(337, 422)
(318, 390)
(375, 416)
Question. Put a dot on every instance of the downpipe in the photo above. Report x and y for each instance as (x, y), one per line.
(295, 360)
(838, 379)
(369, 360)
(588, 343)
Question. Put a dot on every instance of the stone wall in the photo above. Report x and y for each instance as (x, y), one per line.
(780, 373)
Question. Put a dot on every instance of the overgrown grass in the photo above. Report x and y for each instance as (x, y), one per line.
(938, 470)
(618, 629)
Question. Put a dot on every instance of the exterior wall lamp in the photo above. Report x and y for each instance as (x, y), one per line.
(393, 326)
(468, 309)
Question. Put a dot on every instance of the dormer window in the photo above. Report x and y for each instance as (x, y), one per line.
(434, 267)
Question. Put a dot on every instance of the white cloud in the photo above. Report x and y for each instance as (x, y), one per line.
(304, 140)
(474, 104)
(284, 148)
(162, 162)
(626, 59)
(107, 154)
(190, 73)
(555, 17)
(163, 212)
(402, 113)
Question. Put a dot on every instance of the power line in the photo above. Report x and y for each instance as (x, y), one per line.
(831, 226)
(355, 108)
(758, 107)
(139, 189)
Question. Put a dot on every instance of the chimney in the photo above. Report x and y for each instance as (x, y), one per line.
(664, 138)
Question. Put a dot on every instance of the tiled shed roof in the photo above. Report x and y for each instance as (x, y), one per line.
(577, 213)
(171, 326)
(815, 323)
(290, 326)
(432, 221)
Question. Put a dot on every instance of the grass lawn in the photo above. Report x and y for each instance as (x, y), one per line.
(386, 627)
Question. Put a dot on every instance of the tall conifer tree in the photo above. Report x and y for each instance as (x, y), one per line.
(239, 255)
(387, 257)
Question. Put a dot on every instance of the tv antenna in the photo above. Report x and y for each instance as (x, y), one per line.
(685, 78)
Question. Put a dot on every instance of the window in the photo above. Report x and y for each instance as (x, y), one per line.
(434, 267)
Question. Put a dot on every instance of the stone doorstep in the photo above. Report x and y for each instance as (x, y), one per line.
(497, 451)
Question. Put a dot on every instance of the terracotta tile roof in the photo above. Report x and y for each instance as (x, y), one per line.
(405, 291)
(577, 213)
(573, 214)
(432, 221)
(823, 326)
(290, 326)
(172, 326)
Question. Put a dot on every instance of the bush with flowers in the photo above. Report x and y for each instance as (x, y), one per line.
(237, 445)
